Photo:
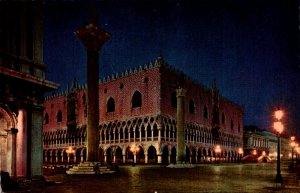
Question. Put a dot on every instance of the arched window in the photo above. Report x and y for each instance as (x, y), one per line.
(59, 116)
(46, 118)
(192, 107)
(110, 105)
(231, 124)
(223, 119)
(239, 127)
(174, 100)
(137, 99)
(205, 112)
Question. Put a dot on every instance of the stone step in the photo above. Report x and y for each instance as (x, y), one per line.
(88, 168)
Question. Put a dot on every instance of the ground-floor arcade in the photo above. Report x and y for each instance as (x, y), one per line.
(145, 140)
(142, 153)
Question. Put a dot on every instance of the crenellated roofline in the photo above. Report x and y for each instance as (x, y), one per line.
(158, 63)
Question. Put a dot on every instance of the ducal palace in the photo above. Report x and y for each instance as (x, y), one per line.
(137, 120)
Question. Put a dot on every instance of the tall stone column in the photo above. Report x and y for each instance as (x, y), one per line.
(92, 38)
(180, 156)
(21, 152)
(11, 151)
(36, 145)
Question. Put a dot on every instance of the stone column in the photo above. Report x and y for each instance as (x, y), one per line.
(134, 157)
(124, 158)
(152, 134)
(37, 35)
(92, 38)
(159, 134)
(159, 158)
(36, 146)
(146, 158)
(180, 124)
(140, 130)
(11, 151)
(21, 151)
(62, 156)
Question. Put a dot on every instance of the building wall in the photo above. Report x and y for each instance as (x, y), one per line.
(22, 88)
(151, 126)
(146, 82)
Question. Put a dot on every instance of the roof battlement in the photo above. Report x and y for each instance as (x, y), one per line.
(158, 63)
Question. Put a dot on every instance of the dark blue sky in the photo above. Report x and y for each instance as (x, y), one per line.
(249, 46)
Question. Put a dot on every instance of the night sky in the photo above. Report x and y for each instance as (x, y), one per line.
(249, 46)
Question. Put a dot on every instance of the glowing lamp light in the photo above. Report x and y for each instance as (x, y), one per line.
(293, 138)
(278, 114)
(134, 148)
(254, 152)
(293, 144)
(70, 150)
(241, 150)
(218, 149)
(278, 126)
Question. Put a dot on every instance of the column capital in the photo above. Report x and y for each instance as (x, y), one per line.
(180, 92)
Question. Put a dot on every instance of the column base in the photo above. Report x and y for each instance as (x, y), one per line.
(181, 165)
(88, 168)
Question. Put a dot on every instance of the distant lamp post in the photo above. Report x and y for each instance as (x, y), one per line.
(297, 152)
(134, 149)
(218, 151)
(278, 126)
(293, 145)
(70, 151)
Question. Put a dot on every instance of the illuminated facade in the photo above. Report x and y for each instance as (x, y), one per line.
(137, 120)
(258, 142)
(22, 88)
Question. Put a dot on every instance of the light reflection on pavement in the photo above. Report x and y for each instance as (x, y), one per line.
(159, 179)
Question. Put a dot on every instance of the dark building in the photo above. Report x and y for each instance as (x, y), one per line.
(22, 88)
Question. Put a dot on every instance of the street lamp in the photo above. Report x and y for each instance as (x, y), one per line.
(134, 149)
(218, 150)
(241, 153)
(278, 126)
(293, 145)
(70, 151)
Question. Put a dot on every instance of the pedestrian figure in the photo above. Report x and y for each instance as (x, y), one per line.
(96, 168)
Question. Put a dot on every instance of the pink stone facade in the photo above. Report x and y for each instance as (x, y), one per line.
(137, 110)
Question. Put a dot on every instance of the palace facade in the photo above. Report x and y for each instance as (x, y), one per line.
(137, 120)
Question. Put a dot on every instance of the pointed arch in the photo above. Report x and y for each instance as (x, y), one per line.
(110, 106)
(191, 107)
(136, 99)
(59, 116)
(46, 118)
